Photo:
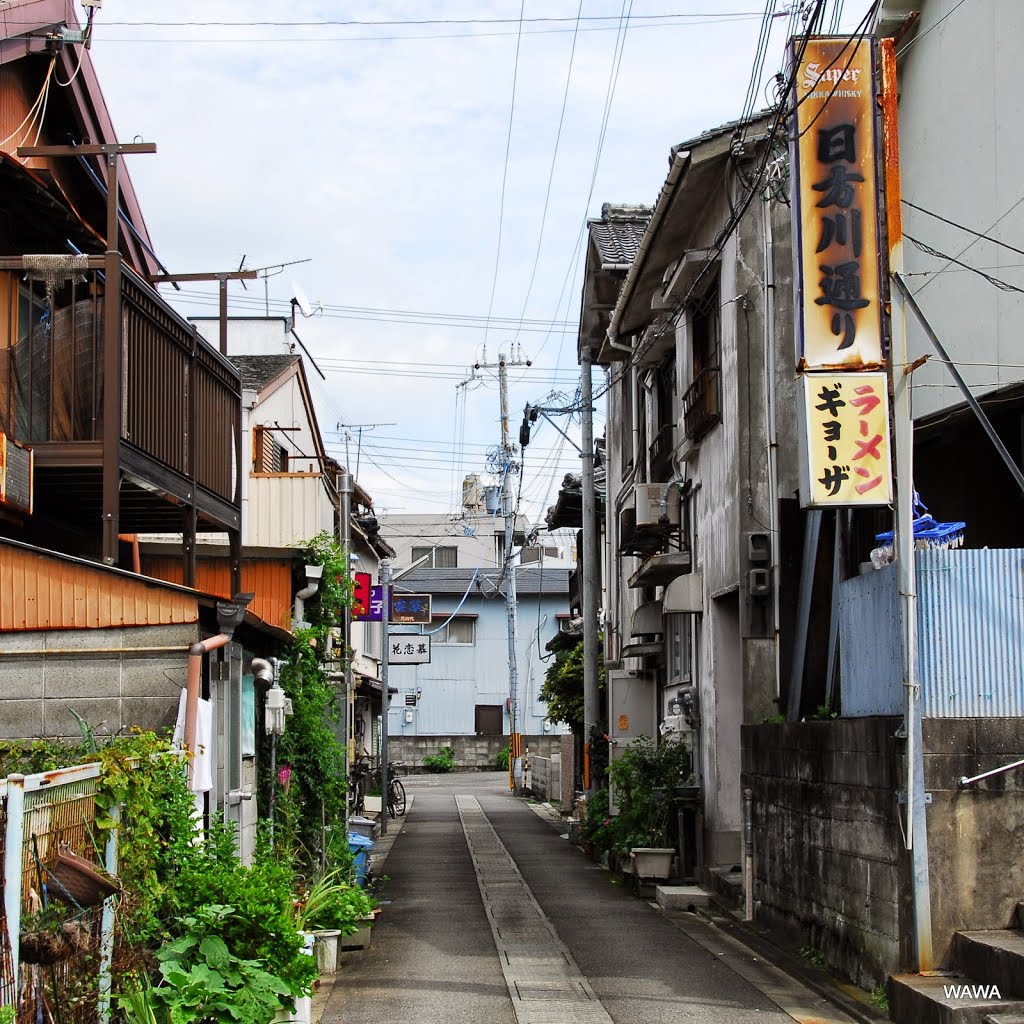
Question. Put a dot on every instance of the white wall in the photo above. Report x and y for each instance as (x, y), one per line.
(961, 150)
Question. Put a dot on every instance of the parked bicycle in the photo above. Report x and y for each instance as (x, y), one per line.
(396, 792)
(360, 778)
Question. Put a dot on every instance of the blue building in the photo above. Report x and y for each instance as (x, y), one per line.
(464, 690)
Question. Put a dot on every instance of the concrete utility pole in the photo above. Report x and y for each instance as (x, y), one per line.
(509, 469)
(385, 692)
(345, 532)
(591, 707)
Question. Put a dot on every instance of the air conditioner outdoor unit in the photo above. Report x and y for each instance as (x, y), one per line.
(656, 505)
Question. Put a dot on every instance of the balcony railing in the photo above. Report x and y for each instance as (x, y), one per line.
(661, 453)
(179, 413)
(702, 404)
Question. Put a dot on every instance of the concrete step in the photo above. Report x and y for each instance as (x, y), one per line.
(1020, 915)
(923, 999)
(682, 897)
(726, 883)
(1005, 1018)
(992, 958)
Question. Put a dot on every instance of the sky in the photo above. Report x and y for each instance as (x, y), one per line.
(432, 164)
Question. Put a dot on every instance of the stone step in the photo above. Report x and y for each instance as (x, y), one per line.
(1020, 915)
(993, 957)
(1004, 1018)
(727, 883)
(682, 897)
(923, 999)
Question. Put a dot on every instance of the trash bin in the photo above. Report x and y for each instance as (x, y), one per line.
(362, 826)
(360, 847)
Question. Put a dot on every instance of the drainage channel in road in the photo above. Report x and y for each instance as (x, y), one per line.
(544, 982)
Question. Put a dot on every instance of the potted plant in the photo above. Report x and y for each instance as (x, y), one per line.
(645, 777)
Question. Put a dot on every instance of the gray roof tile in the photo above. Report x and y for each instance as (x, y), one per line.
(258, 371)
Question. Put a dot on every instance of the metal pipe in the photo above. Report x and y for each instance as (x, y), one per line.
(299, 608)
(965, 781)
(771, 402)
(591, 706)
(14, 848)
(986, 423)
(748, 855)
(903, 431)
(385, 692)
(192, 688)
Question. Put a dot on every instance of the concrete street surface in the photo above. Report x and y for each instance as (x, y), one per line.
(490, 916)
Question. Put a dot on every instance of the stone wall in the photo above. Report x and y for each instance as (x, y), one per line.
(827, 840)
(975, 833)
(113, 678)
(472, 753)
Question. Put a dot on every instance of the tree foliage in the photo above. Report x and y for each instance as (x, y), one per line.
(563, 686)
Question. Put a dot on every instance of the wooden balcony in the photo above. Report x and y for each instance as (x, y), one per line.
(702, 404)
(157, 453)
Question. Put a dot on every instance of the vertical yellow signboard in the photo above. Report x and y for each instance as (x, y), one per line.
(847, 459)
(835, 208)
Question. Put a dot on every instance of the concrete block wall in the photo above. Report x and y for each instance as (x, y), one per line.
(546, 777)
(975, 833)
(568, 773)
(827, 840)
(472, 753)
(113, 678)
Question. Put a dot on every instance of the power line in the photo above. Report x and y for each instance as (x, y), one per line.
(551, 172)
(921, 35)
(996, 282)
(962, 227)
(504, 170)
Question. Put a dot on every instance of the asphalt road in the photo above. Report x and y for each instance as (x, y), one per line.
(434, 956)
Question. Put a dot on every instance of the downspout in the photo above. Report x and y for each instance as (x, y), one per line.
(771, 407)
(301, 596)
(748, 855)
(192, 687)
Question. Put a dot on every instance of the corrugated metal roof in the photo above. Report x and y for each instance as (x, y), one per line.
(617, 234)
(258, 371)
(45, 590)
(455, 581)
(270, 580)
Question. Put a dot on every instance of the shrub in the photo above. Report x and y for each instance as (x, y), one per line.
(442, 761)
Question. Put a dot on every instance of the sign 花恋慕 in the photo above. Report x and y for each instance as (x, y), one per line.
(835, 204)
(408, 649)
(846, 455)
(410, 609)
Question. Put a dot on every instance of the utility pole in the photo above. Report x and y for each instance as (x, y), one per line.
(591, 709)
(385, 692)
(509, 469)
(345, 530)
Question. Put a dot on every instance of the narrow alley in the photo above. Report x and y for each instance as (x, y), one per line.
(489, 915)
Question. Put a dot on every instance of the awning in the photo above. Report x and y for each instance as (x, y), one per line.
(684, 594)
(647, 620)
(640, 650)
(659, 570)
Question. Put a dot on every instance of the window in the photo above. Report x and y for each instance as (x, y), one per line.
(436, 557)
(702, 403)
(459, 632)
(268, 455)
(678, 647)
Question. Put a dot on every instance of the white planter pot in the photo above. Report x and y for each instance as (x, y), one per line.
(303, 1012)
(652, 862)
(326, 948)
(372, 804)
(359, 939)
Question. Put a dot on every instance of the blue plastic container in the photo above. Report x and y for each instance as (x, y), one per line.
(360, 847)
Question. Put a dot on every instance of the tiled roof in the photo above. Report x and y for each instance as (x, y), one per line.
(722, 129)
(456, 581)
(258, 371)
(617, 234)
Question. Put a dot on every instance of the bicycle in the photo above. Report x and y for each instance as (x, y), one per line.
(359, 777)
(396, 793)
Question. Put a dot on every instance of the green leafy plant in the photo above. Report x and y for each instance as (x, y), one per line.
(7, 1015)
(202, 980)
(502, 758)
(646, 776)
(562, 688)
(442, 761)
(332, 902)
(879, 998)
(812, 955)
(597, 823)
